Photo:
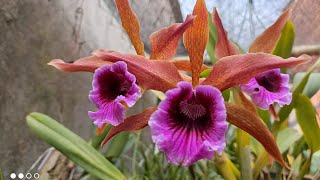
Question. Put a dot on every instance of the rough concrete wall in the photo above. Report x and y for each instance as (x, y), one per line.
(153, 15)
(32, 33)
(306, 19)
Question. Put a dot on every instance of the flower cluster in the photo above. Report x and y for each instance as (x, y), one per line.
(191, 122)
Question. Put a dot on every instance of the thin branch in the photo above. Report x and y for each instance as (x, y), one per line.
(306, 49)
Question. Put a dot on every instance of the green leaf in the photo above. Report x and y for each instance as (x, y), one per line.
(306, 116)
(245, 163)
(286, 110)
(265, 116)
(262, 160)
(117, 145)
(226, 168)
(243, 141)
(286, 138)
(72, 146)
(97, 140)
(213, 36)
(205, 73)
(315, 163)
(295, 167)
(1, 176)
(312, 85)
(285, 43)
(225, 93)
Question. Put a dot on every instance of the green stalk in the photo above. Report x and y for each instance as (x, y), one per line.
(305, 167)
(135, 151)
(226, 168)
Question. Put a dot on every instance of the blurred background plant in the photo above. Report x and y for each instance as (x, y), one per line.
(297, 128)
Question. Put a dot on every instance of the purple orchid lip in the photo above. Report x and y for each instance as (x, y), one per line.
(190, 125)
(269, 87)
(112, 86)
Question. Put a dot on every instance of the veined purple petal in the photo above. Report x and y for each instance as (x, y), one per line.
(269, 87)
(190, 125)
(112, 86)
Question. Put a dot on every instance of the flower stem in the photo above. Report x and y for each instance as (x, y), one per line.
(135, 151)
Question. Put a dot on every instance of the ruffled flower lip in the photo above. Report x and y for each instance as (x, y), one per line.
(113, 86)
(268, 88)
(190, 125)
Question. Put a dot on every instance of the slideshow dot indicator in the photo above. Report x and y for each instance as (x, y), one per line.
(13, 175)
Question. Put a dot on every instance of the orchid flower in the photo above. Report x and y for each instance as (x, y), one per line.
(112, 86)
(190, 123)
(268, 87)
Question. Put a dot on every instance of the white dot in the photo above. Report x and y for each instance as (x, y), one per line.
(13, 175)
(20, 175)
(29, 176)
(36, 175)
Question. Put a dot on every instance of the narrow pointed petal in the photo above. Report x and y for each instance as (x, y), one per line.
(164, 43)
(87, 64)
(267, 41)
(132, 123)
(130, 24)
(252, 124)
(156, 75)
(244, 102)
(239, 69)
(224, 47)
(185, 65)
(195, 39)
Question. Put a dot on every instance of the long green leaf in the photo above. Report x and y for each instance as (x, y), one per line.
(315, 163)
(295, 167)
(225, 93)
(72, 146)
(226, 168)
(0, 174)
(213, 36)
(117, 145)
(285, 43)
(306, 116)
(312, 85)
(96, 140)
(286, 138)
(286, 110)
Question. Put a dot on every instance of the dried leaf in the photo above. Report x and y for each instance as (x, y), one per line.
(164, 43)
(130, 24)
(87, 64)
(267, 41)
(157, 75)
(195, 39)
(132, 123)
(239, 69)
(252, 124)
(224, 47)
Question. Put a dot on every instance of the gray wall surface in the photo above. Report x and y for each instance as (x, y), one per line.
(32, 32)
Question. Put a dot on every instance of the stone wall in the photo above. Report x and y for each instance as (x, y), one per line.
(32, 33)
